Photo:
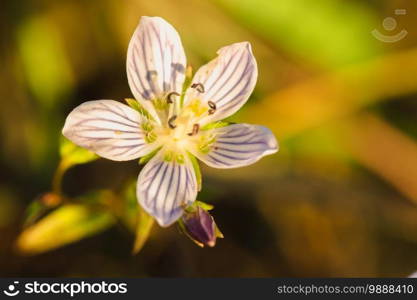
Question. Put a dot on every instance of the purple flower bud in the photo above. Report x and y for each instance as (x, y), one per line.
(199, 225)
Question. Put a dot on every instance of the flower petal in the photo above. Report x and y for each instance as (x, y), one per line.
(164, 187)
(236, 145)
(108, 128)
(228, 80)
(155, 61)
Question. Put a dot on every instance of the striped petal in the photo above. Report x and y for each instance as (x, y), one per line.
(235, 146)
(164, 187)
(155, 61)
(108, 128)
(228, 80)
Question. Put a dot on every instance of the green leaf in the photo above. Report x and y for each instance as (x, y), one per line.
(34, 210)
(197, 170)
(143, 229)
(40, 206)
(67, 224)
(72, 154)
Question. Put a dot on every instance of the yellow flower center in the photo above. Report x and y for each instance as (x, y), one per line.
(180, 129)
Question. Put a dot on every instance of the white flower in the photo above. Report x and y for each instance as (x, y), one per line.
(172, 124)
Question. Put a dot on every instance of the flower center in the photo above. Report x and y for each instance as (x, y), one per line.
(179, 132)
(180, 124)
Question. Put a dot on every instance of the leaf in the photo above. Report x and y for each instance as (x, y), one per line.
(34, 211)
(72, 154)
(67, 224)
(143, 229)
(40, 206)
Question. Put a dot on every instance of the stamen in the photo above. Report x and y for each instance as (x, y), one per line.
(171, 122)
(212, 106)
(150, 137)
(196, 128)
(170, 95)
(199, 87)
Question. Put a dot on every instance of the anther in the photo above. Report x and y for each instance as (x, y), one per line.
(212, 106)
(196, 128)
(170, 95)
(171, 122)
(199, 87)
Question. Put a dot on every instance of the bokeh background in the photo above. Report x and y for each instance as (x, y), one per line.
(339, 199)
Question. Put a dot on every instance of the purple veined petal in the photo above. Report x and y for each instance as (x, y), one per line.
(164, 187)
(109, 129)
(236, 145)
(155, 61)
(228, 80)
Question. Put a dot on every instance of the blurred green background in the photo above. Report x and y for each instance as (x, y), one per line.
(339, 199)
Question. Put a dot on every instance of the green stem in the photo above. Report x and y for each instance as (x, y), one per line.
(57, 179)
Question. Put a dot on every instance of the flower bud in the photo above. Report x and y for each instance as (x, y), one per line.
(199, 225)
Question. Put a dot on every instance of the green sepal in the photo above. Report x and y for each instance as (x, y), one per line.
(193, 206)
(204, 205)
(145, 223)
(218, 124)
(148, 157)
(190, 208)
(133, 103)
(187, 83)
(219, 234)
(197, 170)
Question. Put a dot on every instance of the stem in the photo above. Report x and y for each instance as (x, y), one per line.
(58, 175)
